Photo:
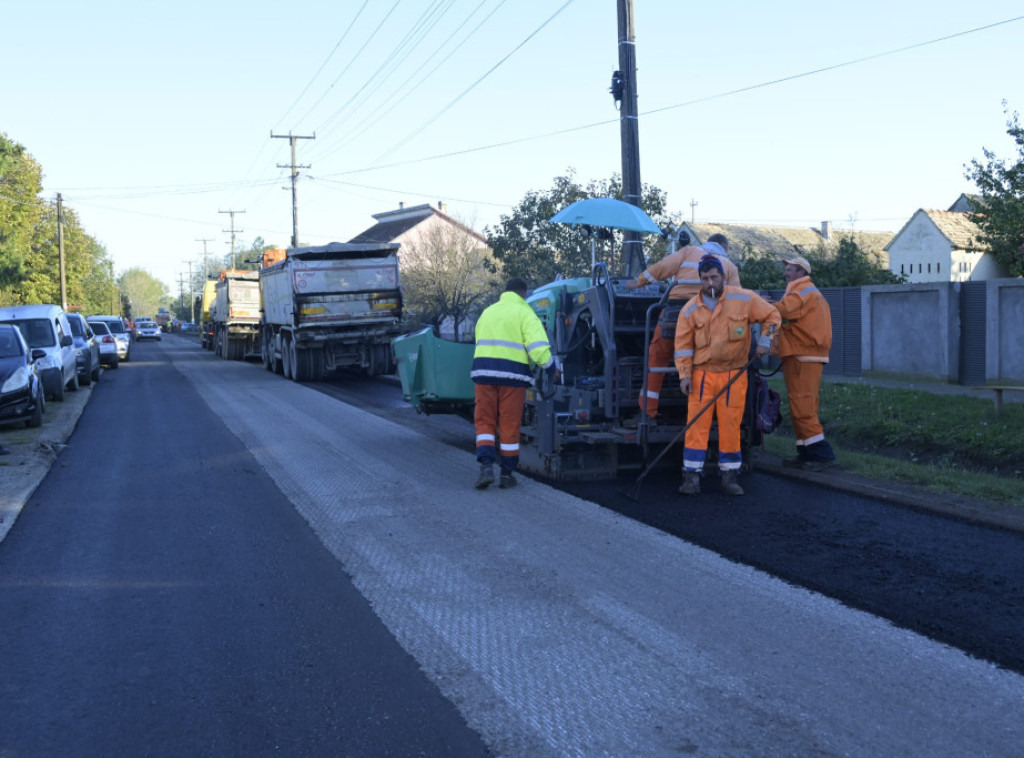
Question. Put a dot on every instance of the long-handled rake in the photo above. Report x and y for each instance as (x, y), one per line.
(633, 491)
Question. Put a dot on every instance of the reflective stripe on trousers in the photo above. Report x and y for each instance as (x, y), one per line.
(497, 417)
(729, 410)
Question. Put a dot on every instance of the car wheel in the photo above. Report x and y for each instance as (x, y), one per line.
(86, 378)
(58, 395)
(73, 384)
(36, 420)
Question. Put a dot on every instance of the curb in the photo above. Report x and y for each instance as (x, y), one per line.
(955, 506)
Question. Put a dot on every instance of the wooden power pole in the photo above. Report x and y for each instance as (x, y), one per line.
(633, 249)
(60, 253)
(295, 175)
(232, 230)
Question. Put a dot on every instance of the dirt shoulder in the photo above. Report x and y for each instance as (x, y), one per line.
(33, 451)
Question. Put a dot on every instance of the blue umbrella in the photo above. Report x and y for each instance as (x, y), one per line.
(608, 212)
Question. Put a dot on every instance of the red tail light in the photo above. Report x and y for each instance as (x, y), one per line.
(108, 339)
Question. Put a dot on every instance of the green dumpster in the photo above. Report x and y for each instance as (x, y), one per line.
(435, 372)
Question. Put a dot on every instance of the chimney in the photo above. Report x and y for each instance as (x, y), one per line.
(442, 207)
(826, 230)
(401, 205)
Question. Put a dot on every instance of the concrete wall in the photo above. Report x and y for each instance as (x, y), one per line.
(1004, 337)
(911, 329)
(915, 330)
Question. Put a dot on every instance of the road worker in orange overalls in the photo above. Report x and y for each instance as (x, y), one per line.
(803, 344)
(712, 344)
(681, 267)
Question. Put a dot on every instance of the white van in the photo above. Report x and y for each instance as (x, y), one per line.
(48, 334)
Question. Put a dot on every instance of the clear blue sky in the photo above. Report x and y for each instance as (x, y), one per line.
(150, 118)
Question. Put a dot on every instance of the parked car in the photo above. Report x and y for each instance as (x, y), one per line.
(46, 328)
(107, 342)
(120, 332)
(147, 330)
(88, 359)
(22, 397)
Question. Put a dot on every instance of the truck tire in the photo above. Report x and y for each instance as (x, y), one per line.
(267, 350)
(300, 363)
(287, 356)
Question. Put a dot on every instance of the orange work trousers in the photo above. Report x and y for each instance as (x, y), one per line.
(659, 355)
(729, 410)
(803, 380)
(497, 417)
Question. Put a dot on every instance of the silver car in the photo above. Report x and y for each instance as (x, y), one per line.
(120, 332)
(87, 349)
(147, 330)
(107, 342)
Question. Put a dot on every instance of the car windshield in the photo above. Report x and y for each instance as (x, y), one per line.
(10, 347)
(76, 327)
(99, 327)
(115, 326)
(36, 331)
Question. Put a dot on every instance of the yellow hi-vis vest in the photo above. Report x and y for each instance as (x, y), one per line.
(509, 337)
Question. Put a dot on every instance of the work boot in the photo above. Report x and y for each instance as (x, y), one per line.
(691, 483)
(818, 456)
(486, 476)
(798, 460)
(507, 480)
(729, 484)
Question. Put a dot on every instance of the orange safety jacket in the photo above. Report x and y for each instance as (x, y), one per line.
(682, 266)
(806, 331)
(719, 340)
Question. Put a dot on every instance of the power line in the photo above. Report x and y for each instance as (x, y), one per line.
(375, 117)
(583, 127)
(466, 91)
(326, 61)
(419, 26)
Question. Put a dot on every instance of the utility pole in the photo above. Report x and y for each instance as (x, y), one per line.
(624, 84)
(232, 230)
(295, 175)
(181, 296)
(60, 253)
(693, 214)
(206, 272)
(113, 290)
(191, 295)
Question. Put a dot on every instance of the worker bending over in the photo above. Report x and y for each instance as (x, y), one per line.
(680, 266)
(509, 337)
(712, 344)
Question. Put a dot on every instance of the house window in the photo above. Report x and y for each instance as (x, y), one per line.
(901, 269)
(938, 268)
(919, 266)
(929, 268)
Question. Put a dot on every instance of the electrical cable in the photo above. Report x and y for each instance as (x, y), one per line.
(469, 89)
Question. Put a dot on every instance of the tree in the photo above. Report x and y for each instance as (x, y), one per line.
(20, 185)
(847, 266)
(447, 273)
(1001, 211)
(530, 246)
(143, 292)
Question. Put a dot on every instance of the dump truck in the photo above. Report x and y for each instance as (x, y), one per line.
(236, 315)
(206, 321)
(331, 307)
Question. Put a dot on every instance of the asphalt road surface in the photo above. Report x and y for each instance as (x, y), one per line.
(952, 581)
(160, 596)
(164, 593)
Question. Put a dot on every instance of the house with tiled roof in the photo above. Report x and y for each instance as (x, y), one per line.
(942, 246)
(783, 241)
(408, 226)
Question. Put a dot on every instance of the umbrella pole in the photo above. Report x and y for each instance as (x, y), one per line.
(593, 252)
